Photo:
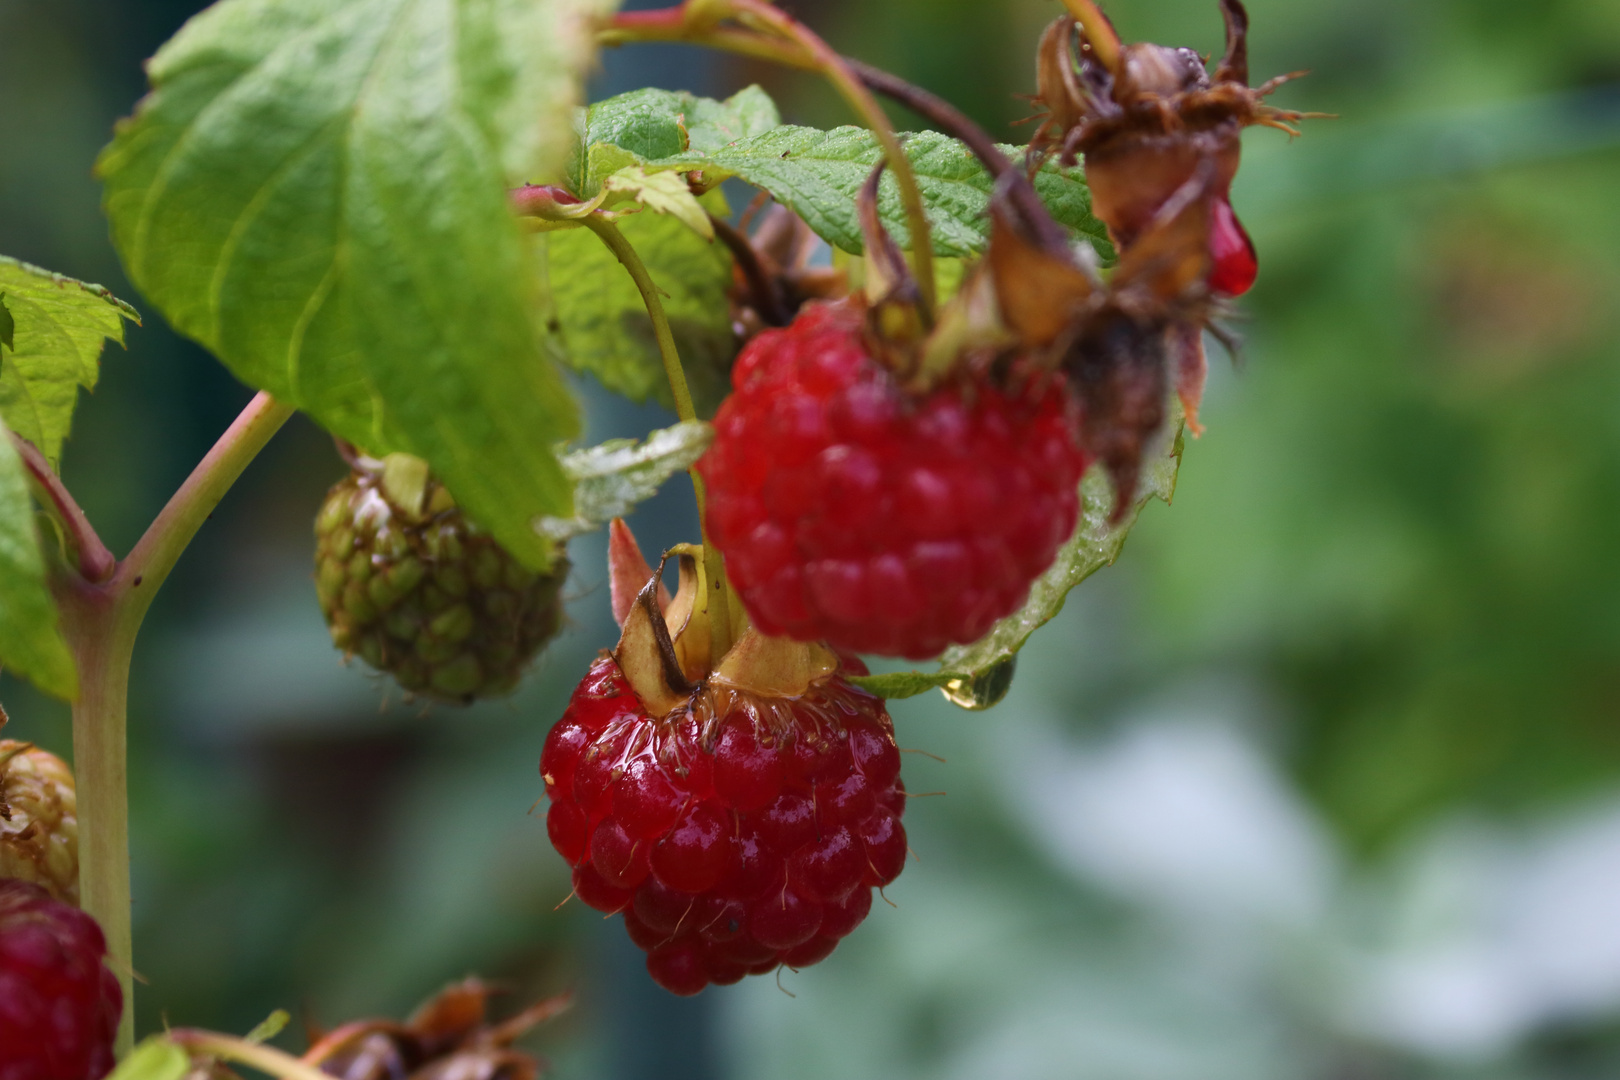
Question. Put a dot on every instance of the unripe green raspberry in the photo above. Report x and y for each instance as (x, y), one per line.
(39, 822)
(415, 589)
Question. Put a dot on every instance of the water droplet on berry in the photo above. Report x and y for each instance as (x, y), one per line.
(1234, 264)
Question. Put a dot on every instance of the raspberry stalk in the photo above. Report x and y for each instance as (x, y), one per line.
(714, 567)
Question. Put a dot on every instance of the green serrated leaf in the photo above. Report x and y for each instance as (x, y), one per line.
(156, 1058)
(817, 174)
(54, 327)
(646, 124)
(713, 124)
(611, 478)
(662, 193)
(975, 676)
(31, 640)
(316, 190)
(601, 325)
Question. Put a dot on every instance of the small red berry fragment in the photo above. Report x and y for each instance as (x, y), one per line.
(853, 512)
(59, 1005)
(1233, 263)
(784, 819)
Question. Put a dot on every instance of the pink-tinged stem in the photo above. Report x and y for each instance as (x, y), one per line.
(96, 563)
(100, 619)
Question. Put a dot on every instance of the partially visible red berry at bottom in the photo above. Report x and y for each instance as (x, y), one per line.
(59, 1005)
(736, 834)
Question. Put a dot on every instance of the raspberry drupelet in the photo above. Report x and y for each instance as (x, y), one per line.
(853, 511)
(738, 825)
(59, 1005)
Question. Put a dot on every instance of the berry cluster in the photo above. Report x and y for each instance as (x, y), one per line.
(737, 833)
(853, 512)
(59, 1005)
(421, 592)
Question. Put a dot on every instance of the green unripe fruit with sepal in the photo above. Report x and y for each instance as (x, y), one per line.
(414, 588)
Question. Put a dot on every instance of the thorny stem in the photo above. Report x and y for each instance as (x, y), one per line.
(673, 24)
(96, 563)
(714, 569)
(101, 619)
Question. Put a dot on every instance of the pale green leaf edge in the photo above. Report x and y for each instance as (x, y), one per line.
(612, 477)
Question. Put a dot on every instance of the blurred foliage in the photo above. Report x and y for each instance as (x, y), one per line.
(1390, 564)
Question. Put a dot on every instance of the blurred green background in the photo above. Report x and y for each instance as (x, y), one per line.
(1322, 780)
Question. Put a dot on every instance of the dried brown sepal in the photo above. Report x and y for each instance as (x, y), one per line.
(646, 651)
(666, 658)
(628, 571)
(1145, 121)
(1041, 292)
(897, 315)
(449, 1036)
(1121, 343)
(771, 273)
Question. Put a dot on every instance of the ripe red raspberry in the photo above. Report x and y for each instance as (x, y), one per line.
(736, 833)
(853, 512)
(59, 1005)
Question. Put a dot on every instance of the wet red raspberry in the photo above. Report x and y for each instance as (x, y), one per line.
(853, 512)
(1234, 265)
(59, 1005)
(737, 833)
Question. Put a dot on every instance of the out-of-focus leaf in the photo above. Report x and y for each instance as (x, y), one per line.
(1094, 545)
(156, 1058)
(600, 324)
(54, 327)
(30, 640)
(817, 174)
(316, 190)
(611, 478)
(646, 124)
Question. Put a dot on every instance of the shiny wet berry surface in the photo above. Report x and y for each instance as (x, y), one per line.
(59, 1005)
(733, 836)
(853, 512)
